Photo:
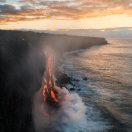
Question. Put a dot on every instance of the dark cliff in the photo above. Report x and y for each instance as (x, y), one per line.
(21, 69)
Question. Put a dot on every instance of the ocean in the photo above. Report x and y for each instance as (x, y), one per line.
(102, 76)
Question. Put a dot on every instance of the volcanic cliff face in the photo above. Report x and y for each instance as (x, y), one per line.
(57, 42)
(22, 64)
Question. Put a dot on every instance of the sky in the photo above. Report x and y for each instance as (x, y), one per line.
(65, 14)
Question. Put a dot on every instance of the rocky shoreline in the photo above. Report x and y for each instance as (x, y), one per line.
(63, 80)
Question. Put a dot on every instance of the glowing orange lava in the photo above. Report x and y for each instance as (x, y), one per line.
(49, 93)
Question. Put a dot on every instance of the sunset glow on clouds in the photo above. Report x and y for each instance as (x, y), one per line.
(65, 12)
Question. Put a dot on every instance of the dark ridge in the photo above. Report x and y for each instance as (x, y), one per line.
(57, 42)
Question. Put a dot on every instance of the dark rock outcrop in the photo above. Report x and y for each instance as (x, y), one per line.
(85, 78)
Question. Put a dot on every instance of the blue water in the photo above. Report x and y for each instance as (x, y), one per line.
(107, 91)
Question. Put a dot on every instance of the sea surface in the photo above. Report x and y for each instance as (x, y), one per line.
(102, 76)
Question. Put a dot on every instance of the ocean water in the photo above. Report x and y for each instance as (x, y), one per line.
(102, 76)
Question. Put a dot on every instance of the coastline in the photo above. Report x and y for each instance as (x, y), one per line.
(58, 42)
(111, 106)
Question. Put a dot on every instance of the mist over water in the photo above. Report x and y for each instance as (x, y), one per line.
(107, 92)
(100, 103)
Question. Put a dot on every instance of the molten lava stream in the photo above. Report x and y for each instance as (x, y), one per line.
(49, 92)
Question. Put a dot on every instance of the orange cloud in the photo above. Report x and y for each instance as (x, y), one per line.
(66, 9)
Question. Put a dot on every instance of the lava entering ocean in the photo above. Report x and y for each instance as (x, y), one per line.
(49, 91)
(55, 109)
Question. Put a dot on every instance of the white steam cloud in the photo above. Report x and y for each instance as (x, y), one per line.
(66, 118)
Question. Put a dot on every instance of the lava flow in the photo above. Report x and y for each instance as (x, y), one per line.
(49, 92)
(57, 109)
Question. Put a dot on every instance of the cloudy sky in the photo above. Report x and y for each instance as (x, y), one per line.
(65, 14)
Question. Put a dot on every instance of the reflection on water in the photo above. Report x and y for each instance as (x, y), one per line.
(109, 72)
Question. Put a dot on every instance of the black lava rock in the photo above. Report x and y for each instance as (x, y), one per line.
(85, 78)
